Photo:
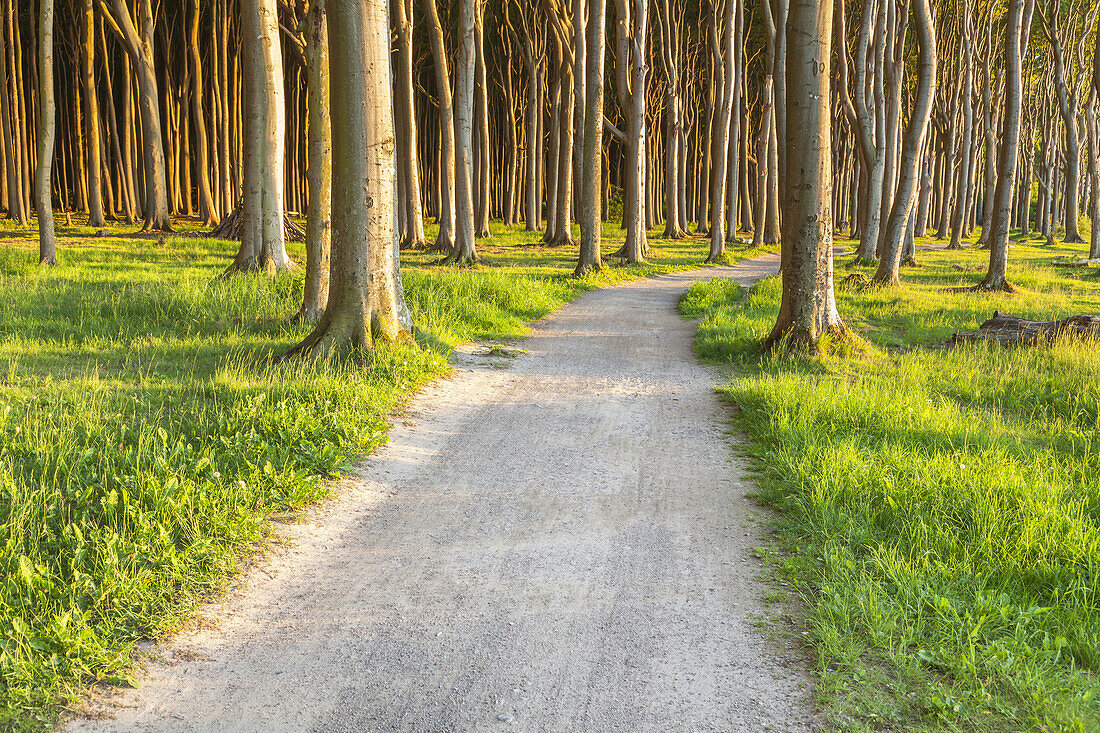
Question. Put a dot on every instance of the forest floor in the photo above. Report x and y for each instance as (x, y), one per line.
(149, 440)
(939, 506)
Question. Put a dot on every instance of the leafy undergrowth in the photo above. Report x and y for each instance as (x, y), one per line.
(939, 507)
(147, 431)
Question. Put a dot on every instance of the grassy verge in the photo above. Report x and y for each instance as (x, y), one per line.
(147, 434)
(939, 507)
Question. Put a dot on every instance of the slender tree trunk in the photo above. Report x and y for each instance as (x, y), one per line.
(412, 236)
(997, 275)
(47, 119)
(464, 249)
(207, 206)
(91, 116)
(898, 224)
(722, 132)
(319, 169)
(481, 121)
(140, 50)
(445, 240)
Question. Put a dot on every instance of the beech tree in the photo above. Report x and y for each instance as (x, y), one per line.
(141, 51)
(366, 300)
(808, 307)
(592, 165)
(901, 209)
(1017, 25)
(47, 249)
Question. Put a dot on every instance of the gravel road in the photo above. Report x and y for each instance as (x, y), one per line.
(554, 541)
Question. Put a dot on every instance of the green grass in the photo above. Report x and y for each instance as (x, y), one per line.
(939, 508)
(147, 435)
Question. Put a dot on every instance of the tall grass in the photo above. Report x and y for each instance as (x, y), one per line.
(147, 432)
(940, 506)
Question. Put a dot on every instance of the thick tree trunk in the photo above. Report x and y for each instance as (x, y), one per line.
(808, 308)
(47, 125)
(366, 300)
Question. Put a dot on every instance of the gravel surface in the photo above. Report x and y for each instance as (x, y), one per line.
(555, 539)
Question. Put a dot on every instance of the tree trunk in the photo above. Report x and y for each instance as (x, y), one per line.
(47, 119)
(207, 206)
(319, 170)
(590, 211)
(808, 308)
(140, 50)
(481, 121)
(464, 248)
(91, 116)
(263, 242)
(724, 53)
(445, 239)
(997, 275)
(631, 73)
(902, 208)
(366, 301)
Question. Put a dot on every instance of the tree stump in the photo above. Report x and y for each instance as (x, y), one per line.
(1014, 331)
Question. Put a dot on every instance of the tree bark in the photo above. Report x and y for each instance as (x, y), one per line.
(997, 275)
(808, 308)
(366, 301)
(908, 169)
(445, 239)
(207, 205)
(465, 250)
(319, 169)
(725, 54)
(592, 163)
(141, 53)
(91, 115)
(47, 121)
(263, 241)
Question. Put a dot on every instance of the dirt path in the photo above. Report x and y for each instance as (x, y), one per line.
(554, 542)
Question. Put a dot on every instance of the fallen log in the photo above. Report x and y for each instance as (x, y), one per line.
(1014, 331)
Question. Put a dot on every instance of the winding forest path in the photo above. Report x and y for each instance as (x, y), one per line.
(558, 541)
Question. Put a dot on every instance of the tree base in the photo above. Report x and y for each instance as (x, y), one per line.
(1013, 331)
(911, 261)
(230, 227)
(587, 268)
(998, 286)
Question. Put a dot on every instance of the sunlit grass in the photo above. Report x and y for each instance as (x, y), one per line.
(941, 505)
